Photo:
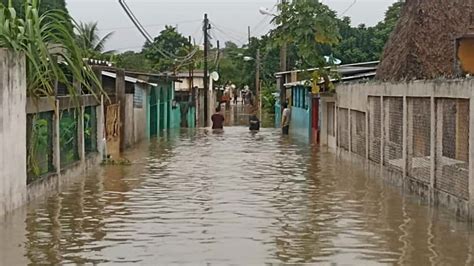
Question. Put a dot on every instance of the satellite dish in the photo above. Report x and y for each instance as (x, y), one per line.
(215, 76)
(332, 60)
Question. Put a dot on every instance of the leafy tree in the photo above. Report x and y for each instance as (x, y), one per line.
(384, 29)
(308, 24)
(167, 49)
(89, 40)
(359, 44)
(134, 61)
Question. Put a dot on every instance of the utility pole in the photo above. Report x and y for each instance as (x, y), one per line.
(283, 68)
(249, 34)
(206, 28)
(258, 90)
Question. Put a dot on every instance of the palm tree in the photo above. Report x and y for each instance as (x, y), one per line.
(89, 40)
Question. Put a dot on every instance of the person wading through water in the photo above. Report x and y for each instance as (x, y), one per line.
(285, 119)
(217, 119)
(254, 122)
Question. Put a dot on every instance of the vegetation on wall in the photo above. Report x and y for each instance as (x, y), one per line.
(49, 46)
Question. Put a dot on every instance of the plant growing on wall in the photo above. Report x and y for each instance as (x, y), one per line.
(68, 136)
(39, 146)
(49, 46)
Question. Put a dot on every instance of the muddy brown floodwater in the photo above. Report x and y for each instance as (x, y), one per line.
(195, 197)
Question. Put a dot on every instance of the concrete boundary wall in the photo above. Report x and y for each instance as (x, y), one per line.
(14, 188)
(418, 135)
(13, 164)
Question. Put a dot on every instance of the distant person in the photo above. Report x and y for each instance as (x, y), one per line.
(235, 96)
(285, 119)
(217, 119)
(254, 123)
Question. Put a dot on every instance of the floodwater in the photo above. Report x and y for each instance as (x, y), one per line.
(235, 197)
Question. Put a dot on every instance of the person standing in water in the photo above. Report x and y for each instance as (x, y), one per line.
(285, 119)
(217, 119)
(254, 121)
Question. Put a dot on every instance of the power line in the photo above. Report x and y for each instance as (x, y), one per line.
(151, 25)
(228, 35)
(348, 8)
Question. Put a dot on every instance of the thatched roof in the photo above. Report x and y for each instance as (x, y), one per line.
(422, 45)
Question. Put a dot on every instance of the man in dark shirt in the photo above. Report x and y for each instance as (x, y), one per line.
(217, 119)
(254, 123)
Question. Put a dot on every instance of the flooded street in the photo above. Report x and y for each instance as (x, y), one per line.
(236, 197)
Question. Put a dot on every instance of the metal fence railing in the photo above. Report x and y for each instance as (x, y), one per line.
(393, 129)
(358, 134)
(39, 145)
(68, 137)
(90, 129)
(375, 129)
(343, 128)
(419, 139)
(452, 157)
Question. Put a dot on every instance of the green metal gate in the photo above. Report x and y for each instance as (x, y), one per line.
(153, 113)
(162, 108)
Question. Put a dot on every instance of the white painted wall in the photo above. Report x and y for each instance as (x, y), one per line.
(139, 115)
(129, 120)
(12, 131)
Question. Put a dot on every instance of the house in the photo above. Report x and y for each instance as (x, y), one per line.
(304, 100)
(189, 88)
(149, 106)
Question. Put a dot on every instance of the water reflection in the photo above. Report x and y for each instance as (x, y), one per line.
(194, 197)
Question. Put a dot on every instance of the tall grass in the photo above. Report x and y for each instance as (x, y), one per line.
(50, 48)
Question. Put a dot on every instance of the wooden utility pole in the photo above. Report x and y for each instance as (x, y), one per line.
(206, 68)
(249, 34)
(258, 90)
(283, 68)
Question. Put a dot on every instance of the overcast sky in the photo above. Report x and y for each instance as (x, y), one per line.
(231, 17)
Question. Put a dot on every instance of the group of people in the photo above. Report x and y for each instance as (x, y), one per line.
(254, 123)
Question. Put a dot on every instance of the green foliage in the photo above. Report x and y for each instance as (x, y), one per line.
(308, 25)
(268, 100)
(49, 47)
(169, 45)
(68, 137)
(89, 40)
(134, 61)
(361, 44)
(40, 146)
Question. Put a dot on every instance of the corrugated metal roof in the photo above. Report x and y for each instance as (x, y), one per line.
(363, 65)
(346, 78)
(127, 78)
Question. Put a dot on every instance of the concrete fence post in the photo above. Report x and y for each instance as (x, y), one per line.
(80, 137)
(471, 158)
(433, 148)
(382, 131)
(56, 139)
(101, 128)
(349, 129)
(367, 129)
(439, 138)
(13, 143)
(80, 123)
(336, 124)
(405, 137)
